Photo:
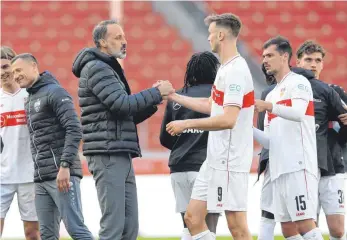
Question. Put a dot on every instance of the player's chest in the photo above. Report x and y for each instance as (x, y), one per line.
(8, 104)
(280, 94)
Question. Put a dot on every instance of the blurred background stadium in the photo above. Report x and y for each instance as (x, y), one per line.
(162, 35)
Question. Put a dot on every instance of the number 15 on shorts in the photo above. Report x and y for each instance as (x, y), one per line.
(300, 204)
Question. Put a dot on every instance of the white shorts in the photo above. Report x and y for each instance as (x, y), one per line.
(182, 185)
(331, 194)
(295, 196)
(26, 200)
(266, 198)
(222, 190)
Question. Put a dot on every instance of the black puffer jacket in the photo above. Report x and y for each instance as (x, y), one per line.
(109, 111)
(55, 131)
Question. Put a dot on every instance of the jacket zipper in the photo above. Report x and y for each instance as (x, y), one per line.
(33, 139)
(55, 161)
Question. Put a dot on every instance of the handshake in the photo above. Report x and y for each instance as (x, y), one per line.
(165, 88)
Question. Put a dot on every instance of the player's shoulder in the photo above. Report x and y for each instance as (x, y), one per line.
(296, 79)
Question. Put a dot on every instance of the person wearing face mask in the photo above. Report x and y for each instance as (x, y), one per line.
(55, 134)
(15, 151)
(109, 115)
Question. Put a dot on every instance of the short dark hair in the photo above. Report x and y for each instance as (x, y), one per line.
(309, 47)
(282, 45)
(227, 20)
(25, 56)
(201, 69)
(100, 31)
(7, 53)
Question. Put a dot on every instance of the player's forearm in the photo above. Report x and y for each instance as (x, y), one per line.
(215, 123)
(295, 113)
(261, 137)
(201, 105)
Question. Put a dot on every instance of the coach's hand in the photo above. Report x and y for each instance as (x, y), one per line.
(165, 88)
(63, 179)
(261, 106)
(176, 127)
(343, 118)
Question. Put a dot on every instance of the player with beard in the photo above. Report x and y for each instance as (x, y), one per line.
(289, 134)
(109, 115)
(15, 151)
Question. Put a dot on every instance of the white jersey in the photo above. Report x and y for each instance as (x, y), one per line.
(232, 149)
(292, 144)
(16, 160)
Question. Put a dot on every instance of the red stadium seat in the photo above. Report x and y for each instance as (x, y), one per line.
(325, 22)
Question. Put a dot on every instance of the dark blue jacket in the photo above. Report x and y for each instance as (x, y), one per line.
(55, 131)
(109, 112)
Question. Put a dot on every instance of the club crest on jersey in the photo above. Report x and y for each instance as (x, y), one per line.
(37, 105)
(282, 91)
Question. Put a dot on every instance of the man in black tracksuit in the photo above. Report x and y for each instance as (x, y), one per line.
(188, 150)
(55, 134)
(109, 115)
(328, 107)
(310, 55)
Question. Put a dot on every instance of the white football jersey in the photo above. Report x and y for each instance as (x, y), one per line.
(17, 165)
(232, 149)
(292, 144)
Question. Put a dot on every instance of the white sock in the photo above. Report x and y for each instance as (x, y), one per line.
(296, 237)
(341, 238)
(314, 234)
(203, 236)
(213, 235)
(186, 234)
(266, 229)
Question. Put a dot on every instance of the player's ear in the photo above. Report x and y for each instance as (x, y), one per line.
(298, 62)
(103, 43)
(220, 35)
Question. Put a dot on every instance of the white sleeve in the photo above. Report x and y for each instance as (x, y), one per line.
(261, 137)
(295, 113)
(234, 88)
(302, 89)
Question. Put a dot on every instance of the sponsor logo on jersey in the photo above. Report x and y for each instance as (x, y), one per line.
(15, 118)
(282, 91)
(234, 89)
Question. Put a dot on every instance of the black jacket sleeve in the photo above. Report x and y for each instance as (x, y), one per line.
(62, 105)
(341, 92)
(166, 139)
(144, 115)
(110, 91)
(261, 116)
(335, 109)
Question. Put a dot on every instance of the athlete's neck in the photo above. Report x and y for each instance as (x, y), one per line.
(227, 52)
(280, 74)
(10, 88)
(35, 80)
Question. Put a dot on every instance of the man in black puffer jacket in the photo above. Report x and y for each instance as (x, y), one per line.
(109, 117)
(55, 134)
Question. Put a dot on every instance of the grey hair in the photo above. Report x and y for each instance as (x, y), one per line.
(25, 56)
(100, 31)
